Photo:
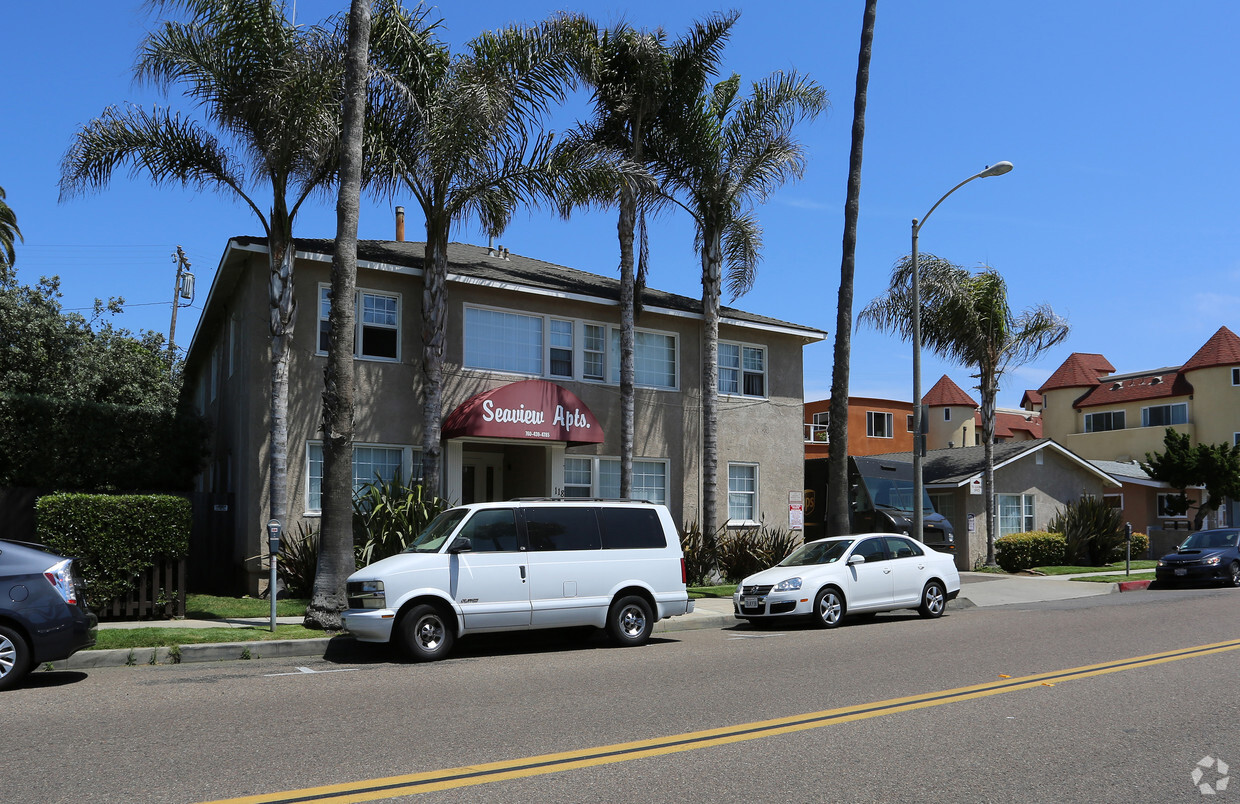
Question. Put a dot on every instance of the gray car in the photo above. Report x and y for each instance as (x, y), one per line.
(43, 614)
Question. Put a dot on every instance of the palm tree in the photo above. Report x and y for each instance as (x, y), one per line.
(837, 422)
(966, 317)
(336, 560)
(272, 91)
(634, 76)
(8, 232)
(457, 133)
(728, 155)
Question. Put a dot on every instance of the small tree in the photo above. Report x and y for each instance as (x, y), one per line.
(1216, 467)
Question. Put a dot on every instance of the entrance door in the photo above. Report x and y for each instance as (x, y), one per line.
(482, 477)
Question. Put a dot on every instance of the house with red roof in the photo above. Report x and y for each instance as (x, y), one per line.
(1104, 416)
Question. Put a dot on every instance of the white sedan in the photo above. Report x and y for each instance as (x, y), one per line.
(863, 573)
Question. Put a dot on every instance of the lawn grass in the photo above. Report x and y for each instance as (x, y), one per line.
(1136, 576)
(1141, 564)
(723, 590)
(209, 607)
(155, 637)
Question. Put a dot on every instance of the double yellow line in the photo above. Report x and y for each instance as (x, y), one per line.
(466, 776)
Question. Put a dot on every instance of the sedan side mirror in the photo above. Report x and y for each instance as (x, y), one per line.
(856, 559)
(461, 544)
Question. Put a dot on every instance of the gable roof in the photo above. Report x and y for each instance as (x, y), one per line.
(1007, 421)
(953, 468)
(946, 393)
(1223, 349)
(1030, 398)
(1080, 370)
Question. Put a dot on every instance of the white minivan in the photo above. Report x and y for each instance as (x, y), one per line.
(524, 564)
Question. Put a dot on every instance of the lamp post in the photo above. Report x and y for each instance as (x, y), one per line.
(919, 438)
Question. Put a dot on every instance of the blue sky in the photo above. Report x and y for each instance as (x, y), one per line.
(1120, 117)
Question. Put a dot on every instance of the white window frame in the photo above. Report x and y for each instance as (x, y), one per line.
(1028, 513)
(641, 466)
(573, 361)
(742, 372)
(314, 455)
(870, 416)
(1089, 418)
(610, 353)
(1145, 414)
(1158, 508)
(324, 302)
(752, 495)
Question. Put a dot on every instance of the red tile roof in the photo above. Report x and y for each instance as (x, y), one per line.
(1080, 370)
(1030, 399)
(946, 393)
(1006, 423)
(1223, 349)
(1136, 388)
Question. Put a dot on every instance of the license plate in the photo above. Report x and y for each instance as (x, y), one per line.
(1181, 572)
(749, 602)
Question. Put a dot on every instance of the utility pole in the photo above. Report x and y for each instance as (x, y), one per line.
(182, 288)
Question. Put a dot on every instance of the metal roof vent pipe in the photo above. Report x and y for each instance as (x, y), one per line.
(491, 246)
(400, 224)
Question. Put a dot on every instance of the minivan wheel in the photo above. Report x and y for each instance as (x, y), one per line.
(629, 621)
(425, 634)
(933, 600)
(14, 657)
(829, 608)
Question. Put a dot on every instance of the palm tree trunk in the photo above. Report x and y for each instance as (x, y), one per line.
(837, 425)
(283, 310)
(712, 272)
(336, 560)
(628, 281)
(434, 327)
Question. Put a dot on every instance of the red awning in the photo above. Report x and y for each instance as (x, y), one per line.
(533, 409)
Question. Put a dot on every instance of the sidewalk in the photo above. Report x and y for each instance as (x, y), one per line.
(977, 589)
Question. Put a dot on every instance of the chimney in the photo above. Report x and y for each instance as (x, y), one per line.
(400, 224)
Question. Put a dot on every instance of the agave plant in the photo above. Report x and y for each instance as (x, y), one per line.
(387, 515)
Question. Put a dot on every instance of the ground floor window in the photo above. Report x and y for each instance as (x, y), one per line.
(371, 463)
(742, 492)
(591, 476)
(1015, 513)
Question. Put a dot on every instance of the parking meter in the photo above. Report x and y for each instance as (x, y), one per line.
(1128, 548)
(273, 547)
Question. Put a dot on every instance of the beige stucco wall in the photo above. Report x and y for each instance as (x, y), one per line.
(959, 430)
(1215, 408)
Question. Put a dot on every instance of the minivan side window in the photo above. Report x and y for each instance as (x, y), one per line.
(492, 531)
(631, 528)
(562, 528)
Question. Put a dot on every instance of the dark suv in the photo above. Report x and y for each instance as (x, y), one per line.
(43, 616)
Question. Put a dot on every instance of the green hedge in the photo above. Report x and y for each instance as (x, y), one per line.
(114, 537)
(88, 446)
(1020, 551)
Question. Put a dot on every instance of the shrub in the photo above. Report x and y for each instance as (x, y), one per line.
(1020, 551)
(387, 515)
(1140, 547)
(1092, 531)
(697, 562)
(115, 537)
(745, 551)
(299, 561)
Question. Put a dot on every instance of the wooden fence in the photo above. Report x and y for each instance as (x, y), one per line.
(157, 593)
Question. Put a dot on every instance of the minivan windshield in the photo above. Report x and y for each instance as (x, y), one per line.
(817, 553)
(431, 539)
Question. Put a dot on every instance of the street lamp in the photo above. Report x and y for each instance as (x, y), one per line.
(919, 438)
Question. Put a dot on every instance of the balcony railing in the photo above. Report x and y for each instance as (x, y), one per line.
(816, 434)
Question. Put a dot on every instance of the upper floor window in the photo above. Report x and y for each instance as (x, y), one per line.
(909, 423)
(742, 370)
(376, 327)
(1235, 376)
(1101, 422)
(878, 424)
(947, 414)
(499, 340)
(1164, 415)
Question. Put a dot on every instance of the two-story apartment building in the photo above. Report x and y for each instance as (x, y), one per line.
(531, 397)
(1105, 416)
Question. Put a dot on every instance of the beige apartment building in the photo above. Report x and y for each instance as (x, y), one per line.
(1118, 418)
(531, 396)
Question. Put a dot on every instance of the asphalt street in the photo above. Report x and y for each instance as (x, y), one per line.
(1057, 728)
